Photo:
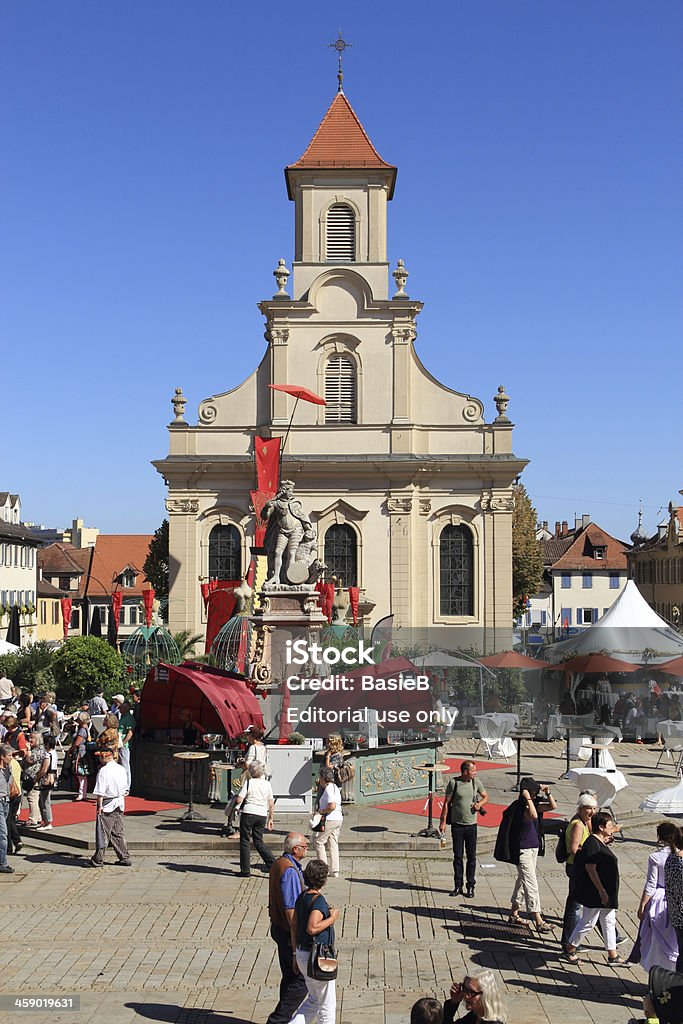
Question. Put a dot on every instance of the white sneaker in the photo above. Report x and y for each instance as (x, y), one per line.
(43, 828)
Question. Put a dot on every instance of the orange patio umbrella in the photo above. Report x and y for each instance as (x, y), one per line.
(672, 668)
(596, 663)
(512, 659)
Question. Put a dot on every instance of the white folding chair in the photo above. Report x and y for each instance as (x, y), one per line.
(672, 734)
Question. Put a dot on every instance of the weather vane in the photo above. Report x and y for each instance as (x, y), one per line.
(339, 45)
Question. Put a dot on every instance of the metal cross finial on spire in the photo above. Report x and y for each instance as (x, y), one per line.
(340, 45)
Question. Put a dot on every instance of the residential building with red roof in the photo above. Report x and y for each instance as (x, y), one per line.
(90, 575)
(585, 570)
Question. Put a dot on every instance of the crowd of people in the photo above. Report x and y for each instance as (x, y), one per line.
(31, 728)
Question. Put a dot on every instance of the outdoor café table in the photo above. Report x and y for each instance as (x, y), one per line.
(606, 782)
(430, 832)
(190, 757)
(518, 735)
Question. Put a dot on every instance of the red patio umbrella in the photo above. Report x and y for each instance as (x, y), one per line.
(596, 663)
(672, 668)
(512, 659)
(301, 394)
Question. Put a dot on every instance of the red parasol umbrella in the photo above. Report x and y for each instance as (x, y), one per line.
(511, 659)
(301, 394)
(596, 663)
(672, 668)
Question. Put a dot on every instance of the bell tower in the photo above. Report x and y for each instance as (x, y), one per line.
(340, 187)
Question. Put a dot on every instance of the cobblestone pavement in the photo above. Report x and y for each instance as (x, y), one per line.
(183, 939)
(178, 937)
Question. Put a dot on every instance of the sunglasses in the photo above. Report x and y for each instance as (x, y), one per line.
(470, 991)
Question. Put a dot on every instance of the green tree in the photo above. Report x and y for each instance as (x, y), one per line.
(84, 665)
(156, 563)
(29, 668)
(527, 555)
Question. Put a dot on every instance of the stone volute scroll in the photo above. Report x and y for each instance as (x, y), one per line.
(501, 399)
(400, 276)
(290, 542)
(281, 274)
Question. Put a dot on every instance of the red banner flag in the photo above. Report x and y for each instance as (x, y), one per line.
(220, 608)
(267, 452)
(205, 594)
(328, 595)
(148, 601)
(116, 602)
(285, 724)
(354, 594)
(258, 500)
(65, 603)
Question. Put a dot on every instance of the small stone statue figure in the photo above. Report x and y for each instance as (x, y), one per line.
(289, 530)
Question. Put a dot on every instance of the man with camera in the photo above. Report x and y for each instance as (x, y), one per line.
(463, 803)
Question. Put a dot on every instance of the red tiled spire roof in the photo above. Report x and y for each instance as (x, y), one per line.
(341, 141)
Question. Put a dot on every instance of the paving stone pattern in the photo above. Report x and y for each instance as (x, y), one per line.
(180, 938)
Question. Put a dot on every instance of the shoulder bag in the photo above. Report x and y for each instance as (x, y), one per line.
(322, 963)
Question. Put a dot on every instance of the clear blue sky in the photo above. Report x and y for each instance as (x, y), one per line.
(143, 209)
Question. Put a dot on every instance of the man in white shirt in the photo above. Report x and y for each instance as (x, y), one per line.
(111, 788)
(7, 691)
(97, 705)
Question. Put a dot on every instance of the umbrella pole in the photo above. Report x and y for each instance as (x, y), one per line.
(481, 689)
(289, 427)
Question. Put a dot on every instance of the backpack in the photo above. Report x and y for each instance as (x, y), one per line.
(344, 773)
(561, 851)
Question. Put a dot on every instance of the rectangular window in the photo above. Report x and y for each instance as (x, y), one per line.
(587, 581)
(586, 616)
(103, 614)
(56, 617)
(565, 618)
(75, 619)
(544, 618)
(43, 613)
(122, 613)
(133, 615)
(614, 580)
(566, 583)
(12, 597)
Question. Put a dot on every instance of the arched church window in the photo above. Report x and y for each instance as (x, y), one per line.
(341, 234)
(341, 554)
(340, 389)
(456, 571)
(225, 553)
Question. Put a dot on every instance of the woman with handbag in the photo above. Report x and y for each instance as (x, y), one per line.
(79, 755)
(533, 800)
(313, 941)
(46, 784)
(36, 765)
(331, 820)
(256, 802)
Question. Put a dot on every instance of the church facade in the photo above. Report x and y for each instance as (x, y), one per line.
(408, 485)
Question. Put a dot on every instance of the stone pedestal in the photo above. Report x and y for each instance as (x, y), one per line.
(285, 613)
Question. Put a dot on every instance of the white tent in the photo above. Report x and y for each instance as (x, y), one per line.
(6, 648)
(626, 629)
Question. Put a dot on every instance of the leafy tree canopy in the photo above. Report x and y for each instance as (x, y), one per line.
(84, 665)
(527, 554)
(156, 563)
(29, 668)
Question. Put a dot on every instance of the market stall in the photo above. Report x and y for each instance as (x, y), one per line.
(180, 705)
